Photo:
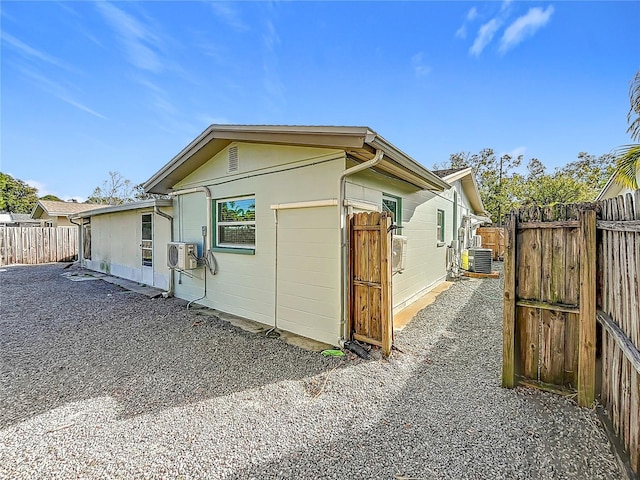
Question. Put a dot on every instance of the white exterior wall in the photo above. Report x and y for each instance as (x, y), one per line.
(426, 257)
(115, 245)
(308, 249)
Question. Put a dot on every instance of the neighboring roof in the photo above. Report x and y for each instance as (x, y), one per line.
(448, 171)
(53, 208)
(469, 185)
(613, 189)
(23, 218)
(104, 209)
(360, 143)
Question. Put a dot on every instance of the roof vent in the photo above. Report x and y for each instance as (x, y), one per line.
(233, 159)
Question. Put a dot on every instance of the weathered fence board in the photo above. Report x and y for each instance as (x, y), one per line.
(370, 312)
(549, 309)
(619, 314)
(33, 245)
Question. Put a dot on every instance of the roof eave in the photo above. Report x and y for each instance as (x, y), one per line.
(398, 156)
(153, 202)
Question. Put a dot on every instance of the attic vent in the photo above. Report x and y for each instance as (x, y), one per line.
(233, 159)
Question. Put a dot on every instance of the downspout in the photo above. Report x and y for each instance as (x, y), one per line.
(157, 211)
(80, 240)
(343, 233)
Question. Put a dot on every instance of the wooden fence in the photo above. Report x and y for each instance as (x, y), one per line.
(369, 299)
(493, 238)
(33, 245)
(618, 301)
(549, 330)
(565, 269)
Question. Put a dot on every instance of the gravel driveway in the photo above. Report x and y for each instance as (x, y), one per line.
(98, 382)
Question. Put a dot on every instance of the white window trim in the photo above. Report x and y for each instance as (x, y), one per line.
(221, 223)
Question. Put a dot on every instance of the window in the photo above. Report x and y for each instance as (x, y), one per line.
(440, 228)
(391, 204)
(235, 220)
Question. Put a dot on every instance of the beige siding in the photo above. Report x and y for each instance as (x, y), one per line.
(426, 257)
(308, 273)
(308, 239)
(115, 245)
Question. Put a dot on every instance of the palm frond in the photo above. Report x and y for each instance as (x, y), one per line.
(628, 165)
(634, 99)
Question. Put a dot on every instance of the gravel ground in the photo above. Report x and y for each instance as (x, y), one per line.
(98, 382)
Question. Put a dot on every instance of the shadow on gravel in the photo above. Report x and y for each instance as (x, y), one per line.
(452, 419)
(63, 341)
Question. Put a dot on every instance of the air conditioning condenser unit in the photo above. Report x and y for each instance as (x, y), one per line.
(398, 253)
(477, 260)
(182, 256)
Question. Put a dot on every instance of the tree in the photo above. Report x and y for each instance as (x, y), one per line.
(16, 196)
(139, 194)
(503, 189)
(116, 190)
(51, 198)
(628, 161)
(496, 182)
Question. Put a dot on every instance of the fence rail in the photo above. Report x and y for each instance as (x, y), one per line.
(33, 245)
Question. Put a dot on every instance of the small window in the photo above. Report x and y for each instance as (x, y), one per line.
(236, 223)
(440, 228)
(391, 205)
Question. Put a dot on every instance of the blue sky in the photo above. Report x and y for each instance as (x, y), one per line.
(93, 87)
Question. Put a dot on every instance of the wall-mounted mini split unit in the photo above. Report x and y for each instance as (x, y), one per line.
(477, 260)
(398, 253)
(182, 256)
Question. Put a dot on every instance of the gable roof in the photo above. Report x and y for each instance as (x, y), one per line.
(53, 208)
(469, 185)
(359, 143)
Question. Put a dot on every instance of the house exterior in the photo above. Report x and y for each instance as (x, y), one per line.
(267, 206)
(128, 241)
(613, 189)
(52, 213)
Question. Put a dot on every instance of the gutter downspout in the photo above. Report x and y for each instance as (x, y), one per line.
(80, 240)
(157, 211)
(343, 232)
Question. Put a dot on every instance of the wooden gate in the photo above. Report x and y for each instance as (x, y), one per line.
(369, 299)
(549, 329)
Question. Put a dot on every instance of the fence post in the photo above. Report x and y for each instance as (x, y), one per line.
(587, 328)
(509, 310)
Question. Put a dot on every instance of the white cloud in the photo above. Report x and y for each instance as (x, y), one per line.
(471, 15)
(28, 51)
(41, 187)
(229, 15)
(58, 91)
(524, 26)
(419, 67)
(136, 37)
(484, 37)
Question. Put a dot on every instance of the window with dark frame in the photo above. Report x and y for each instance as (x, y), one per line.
(236, 222)
(391, 204)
